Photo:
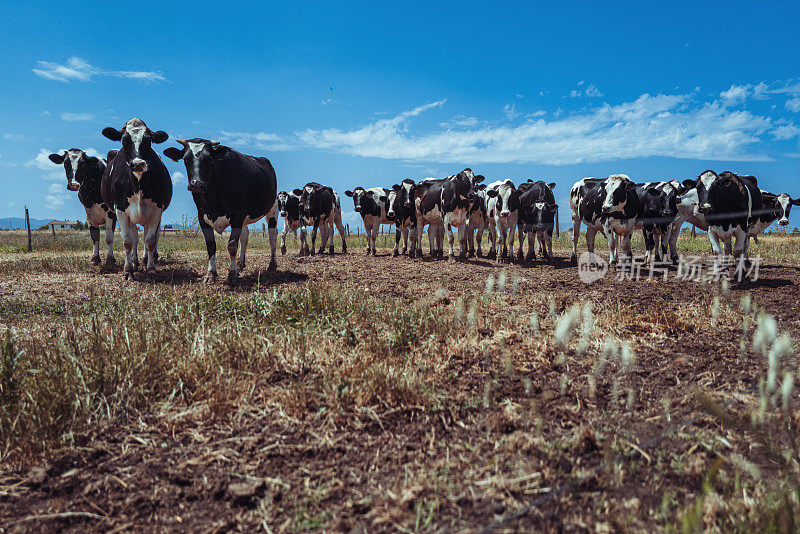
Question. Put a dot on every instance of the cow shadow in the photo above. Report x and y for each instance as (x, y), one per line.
(769, 283)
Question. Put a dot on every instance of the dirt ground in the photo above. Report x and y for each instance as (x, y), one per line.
(517, 422)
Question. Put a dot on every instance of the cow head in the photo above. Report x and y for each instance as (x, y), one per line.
(307, 196)
(784, 206)
(76, 164)
(401, 198)
(199, 156)
(617, 188)
(288, 204)
(136, 139)
(698, 190)
(362, 198)
(507, 196)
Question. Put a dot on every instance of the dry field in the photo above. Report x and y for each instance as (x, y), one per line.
(388, 394)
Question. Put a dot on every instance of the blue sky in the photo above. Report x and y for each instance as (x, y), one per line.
(363, 94)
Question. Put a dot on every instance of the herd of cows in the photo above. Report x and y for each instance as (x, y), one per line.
(231, 189)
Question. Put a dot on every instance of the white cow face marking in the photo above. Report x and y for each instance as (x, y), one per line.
(785, 203)
(391, 197)
(616, 196)
(73, 182)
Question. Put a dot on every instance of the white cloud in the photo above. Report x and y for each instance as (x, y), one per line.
(793, 104)
(13, 137)
(76, 117)
(178, 178)
(42, 162)
(79, 70)
(56, 196)
(460, 121)
(510, 111)
(537, 113)
(591, 91)
(736, 94)
(259, 140)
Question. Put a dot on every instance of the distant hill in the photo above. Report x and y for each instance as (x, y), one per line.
(19, 222)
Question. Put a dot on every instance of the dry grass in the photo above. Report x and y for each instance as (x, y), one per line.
(399, 397)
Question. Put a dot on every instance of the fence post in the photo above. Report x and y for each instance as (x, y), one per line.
(558, 231)
(53, 228)
(263, 228)
(28, 226)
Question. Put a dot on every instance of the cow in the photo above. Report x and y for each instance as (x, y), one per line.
(775, 208)
(610, 206)
(688, 204)
(730, 204)
(502, 206)
(537, 217)
(288, 205)
(138, 187)
(477, 222)
(659, 205)
(373, 206)
(321, 206)
(229, 189)
(84, 175)
(401, 209)
(446, 202)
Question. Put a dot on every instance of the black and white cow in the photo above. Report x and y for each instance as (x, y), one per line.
(289, 208)
(729, 203)
(502, 206)
(659, 205)
(138, 187)
(688, 204)
(775, 208)
(84, 175)
(433, 220)
(402, 210)
(446, 202)
(537, 217)
(373, 206)
(478, 222)
(321, 206)
(229, 189)
(608, 205)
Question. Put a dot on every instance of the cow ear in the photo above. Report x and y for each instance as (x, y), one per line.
(92, 160)
(652, 191)
(481, 187)
(689, 184)
(795, 201)
(551, 185)
(348, 193)
(396, 187)
(298, 192)
(218, 151)
(478, 178)
(491, 193)
(56, 158)
(369, 193)
(174, 154)
(160, 136)
(112, 133)
(383, 198)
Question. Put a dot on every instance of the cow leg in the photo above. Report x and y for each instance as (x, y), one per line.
(272, 225)
(303, 242)
(405, 231)
(714, 239)
(233, 246)
(150, 233)
(479, 240)
(396, 251)
(327, 233)
(576, 234)
(511, 229)
(521, 238)
(330, 238)
(128, 242)
(283, 237)
(549, 240)
(450, 238)
(145, 252)
(591, 233)
(133, 230)
(243, 246)
(462, 240)
(376, 229)
(110, 225)
(94, 233)
(313, 239)
(626, 246)
(649, 244)
(532, 236)
(211, 249)
(674, 233)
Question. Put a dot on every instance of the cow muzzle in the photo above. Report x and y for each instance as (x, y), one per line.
(608, 209)
(139, 166)
(784, 222)
(390, 213)
(705, 208)
(283, 214)
(75, 186)
(505, 213)
(196, 186)
(357, 209)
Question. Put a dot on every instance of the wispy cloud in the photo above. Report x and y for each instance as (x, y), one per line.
(80, 70)
(259, 140)
(76, 117)
(510, 111)
(590, 91)
(459, 121)
(13, 137)
(178, 178)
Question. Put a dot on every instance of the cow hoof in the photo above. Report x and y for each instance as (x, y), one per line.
(150, 277)
(574, 259)
(210, 278)
(330, 251)
(479, 253)
(232, 278)
(451, 259)
(110, 261)
(273, 266)
(283, 251)
(374, 252)
(395, 253)
(95, 260)
(344, 248)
